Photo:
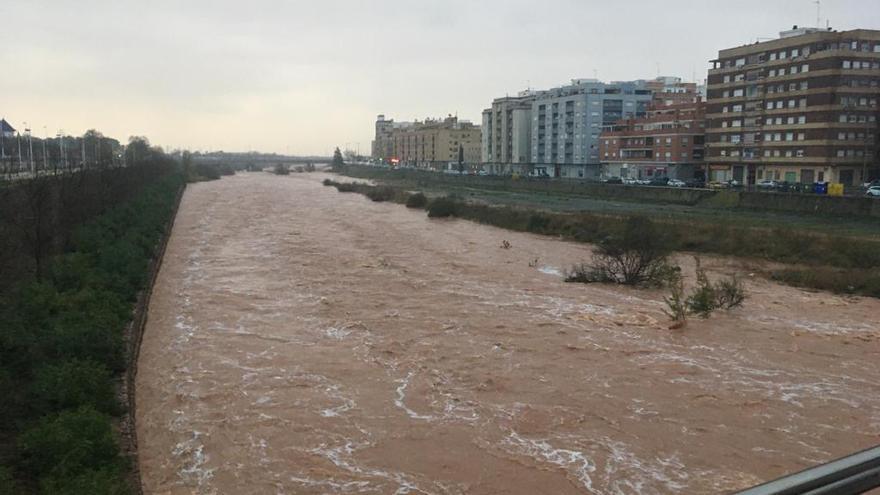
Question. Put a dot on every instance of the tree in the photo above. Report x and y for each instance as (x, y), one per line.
(337, 159)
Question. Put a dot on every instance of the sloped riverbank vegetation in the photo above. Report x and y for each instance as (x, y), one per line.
(62, 344)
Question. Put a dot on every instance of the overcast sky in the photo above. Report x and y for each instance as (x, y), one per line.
(305, 76)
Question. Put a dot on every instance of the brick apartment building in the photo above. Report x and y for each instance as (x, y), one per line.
(801, 108)
(667, 142)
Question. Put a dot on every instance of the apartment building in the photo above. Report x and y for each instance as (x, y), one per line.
(436, 143)
(383, 144)
(567, 121)
(669, 90)
(507, 133)
(800, 108)
(667, 142)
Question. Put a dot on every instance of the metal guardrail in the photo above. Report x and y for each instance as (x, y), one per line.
(850, 475)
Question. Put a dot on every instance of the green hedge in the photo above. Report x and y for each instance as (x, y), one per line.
(62, 351)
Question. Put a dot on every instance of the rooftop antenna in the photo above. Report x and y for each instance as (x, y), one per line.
(818, 13)
(658, 69)
(595, 74)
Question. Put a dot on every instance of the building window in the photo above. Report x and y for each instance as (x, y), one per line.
(847, 64)
(805, 68)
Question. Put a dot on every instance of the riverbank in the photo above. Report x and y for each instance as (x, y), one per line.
(808, 260)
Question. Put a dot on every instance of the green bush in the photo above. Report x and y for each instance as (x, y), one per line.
(8, 485)
(417, 200)
(61, 349)
(442, 207)
(74, 383)
(69, 443)
(381, 193)
(90, 482)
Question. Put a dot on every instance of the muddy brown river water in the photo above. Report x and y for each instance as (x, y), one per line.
(302, 340)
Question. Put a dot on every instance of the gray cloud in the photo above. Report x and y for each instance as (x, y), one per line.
(306, 75)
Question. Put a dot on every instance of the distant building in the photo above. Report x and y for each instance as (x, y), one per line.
(435, 143)
(7, 130)
(800, 108)
(668, 90)
(667, 142)
(567, 121)
(383, 144)
(507, 132)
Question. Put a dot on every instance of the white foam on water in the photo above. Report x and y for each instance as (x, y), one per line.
(193, 461)
(551, 270)
(401, 396)
(571, 461)
(347, 403)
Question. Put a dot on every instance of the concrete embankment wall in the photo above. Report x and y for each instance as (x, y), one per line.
(850, 206)
(134, 334)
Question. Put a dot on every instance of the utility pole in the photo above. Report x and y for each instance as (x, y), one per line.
(18, 135)
(82, 164)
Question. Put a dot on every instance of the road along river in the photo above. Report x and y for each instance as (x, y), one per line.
(302, 340)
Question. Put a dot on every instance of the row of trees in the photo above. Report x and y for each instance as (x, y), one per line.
(24, 154)
(38, 214)
(61, 341)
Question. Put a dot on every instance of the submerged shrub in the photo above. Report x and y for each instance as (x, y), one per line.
(417, 200)
(729, 293)
(380, 193)
(676, 306)
(702, 299)
(442, 207)
(706, 297)
(637, 254)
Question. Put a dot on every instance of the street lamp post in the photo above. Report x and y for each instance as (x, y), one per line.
(45, 156)
(30, 149)
(18, 138)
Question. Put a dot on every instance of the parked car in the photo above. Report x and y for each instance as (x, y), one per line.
(659, 181)
(630, 181)
(718, 185)
(873, 183)
(676, 183)
(768, 184)
(644, 182)
(613, 180)
(698, 183)
(873, 191)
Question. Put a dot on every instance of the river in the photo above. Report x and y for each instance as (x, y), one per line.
(302, 340)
